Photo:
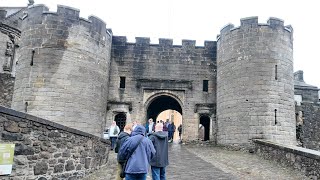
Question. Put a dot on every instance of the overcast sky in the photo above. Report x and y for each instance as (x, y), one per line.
(202, 20)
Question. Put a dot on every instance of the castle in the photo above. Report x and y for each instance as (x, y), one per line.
(74, 71)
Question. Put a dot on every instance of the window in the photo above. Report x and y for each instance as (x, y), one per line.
(123, 82)
(276, 72)
(298, 99)
(205, 85)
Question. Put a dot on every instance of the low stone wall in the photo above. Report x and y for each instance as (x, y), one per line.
(47, 150)
(305, 160)
(6, 89)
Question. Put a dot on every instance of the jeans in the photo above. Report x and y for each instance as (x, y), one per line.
(158, 173)
(136, 176)
(170, 135)
(113, 142)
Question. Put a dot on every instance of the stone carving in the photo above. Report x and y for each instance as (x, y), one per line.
(9, 57)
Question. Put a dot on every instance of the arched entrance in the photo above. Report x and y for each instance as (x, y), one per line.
(205, 122)
(162, 103)
(121, 120)
(167, 107)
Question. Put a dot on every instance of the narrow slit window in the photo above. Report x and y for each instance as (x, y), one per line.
(123, 82)
(26, 107)
(205, 85)
(32, 55)
(275, 117)
(276, 72)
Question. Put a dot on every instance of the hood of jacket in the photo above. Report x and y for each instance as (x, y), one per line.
(160, 134)
(123, 134)
(138, 130)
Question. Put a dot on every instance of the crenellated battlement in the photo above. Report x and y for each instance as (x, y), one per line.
(252, 22)
(163, 42)
(66, 16)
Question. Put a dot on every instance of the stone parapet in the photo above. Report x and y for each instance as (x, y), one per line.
(305, 160)
(47, 150)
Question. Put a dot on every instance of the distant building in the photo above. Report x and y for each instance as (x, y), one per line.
(304, 92)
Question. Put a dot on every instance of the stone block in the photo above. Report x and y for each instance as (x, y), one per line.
(69, 165)
(58, 168)
(40, 168)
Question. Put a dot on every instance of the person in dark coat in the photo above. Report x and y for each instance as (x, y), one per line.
(123, 136)
(138, 163)
(160, 160)
(171, 130)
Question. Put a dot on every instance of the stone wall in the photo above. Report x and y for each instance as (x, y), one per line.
(308, 94)
(302, 159)
(255, 82)
(175, 71)
(63, 68)
(47, 150)
(310, 129)
(6, 89)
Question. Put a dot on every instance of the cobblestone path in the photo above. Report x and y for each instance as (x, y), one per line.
(195, 162)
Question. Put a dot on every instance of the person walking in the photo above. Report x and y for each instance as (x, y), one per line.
(138, 151)
(180, 131)
(150, 126)
(123, 136)
(113, 133)
(159, 162)
(171, 130)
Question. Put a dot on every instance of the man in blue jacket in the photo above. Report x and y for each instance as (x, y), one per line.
(160, 160)
(138, 163)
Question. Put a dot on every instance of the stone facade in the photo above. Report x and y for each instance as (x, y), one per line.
(6, 89)
(9, 40)
(47, 150)
(304, 160)
(75, 72)
(309, 130)
(255, 82)
(155, 70)
(62, 74)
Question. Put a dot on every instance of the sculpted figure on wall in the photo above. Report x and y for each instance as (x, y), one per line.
(9, 57)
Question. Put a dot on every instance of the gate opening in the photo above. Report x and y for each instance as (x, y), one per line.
(204, 132)
(121, 119)
(166, 108)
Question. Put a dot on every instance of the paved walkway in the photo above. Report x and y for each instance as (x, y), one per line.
(207, 163)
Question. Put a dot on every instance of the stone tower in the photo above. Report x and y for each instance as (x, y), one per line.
(255, 82)
(63, 68)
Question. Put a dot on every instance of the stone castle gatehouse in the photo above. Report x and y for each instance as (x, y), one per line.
(74, 71)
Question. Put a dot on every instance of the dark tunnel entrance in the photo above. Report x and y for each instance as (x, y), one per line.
(160, 104)
(205, 122)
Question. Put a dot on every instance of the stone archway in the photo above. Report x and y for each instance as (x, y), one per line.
(160, 103)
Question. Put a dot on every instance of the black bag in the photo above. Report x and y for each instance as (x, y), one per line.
(122, 173)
